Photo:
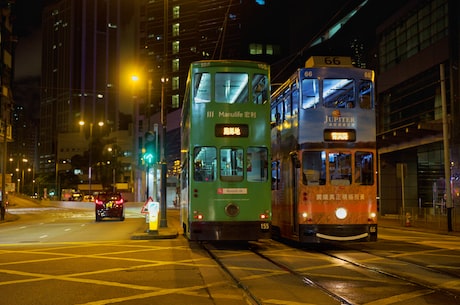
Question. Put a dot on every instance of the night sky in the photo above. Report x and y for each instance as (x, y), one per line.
(27, 28)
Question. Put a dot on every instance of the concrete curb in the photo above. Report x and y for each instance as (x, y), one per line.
(162, 233)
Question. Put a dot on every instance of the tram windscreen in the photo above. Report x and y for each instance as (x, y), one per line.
(231, 164)
(314, 167)
(364, 166)
(205, 163)
(340, 168)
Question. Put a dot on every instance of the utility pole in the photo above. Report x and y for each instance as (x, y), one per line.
(164, 80)
(4, 100)
(445, 136)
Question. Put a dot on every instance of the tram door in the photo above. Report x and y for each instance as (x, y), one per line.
(295, 173)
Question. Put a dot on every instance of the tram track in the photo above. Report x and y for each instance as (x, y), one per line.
(305, 280)
(423, 281)
(238, 283)
(253, 248)
(325, 271)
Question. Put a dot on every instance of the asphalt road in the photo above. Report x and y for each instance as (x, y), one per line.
(56, 253)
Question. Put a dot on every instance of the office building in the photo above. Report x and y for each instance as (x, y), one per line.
(80, 61)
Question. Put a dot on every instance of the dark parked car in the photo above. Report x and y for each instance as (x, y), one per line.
(109, 205)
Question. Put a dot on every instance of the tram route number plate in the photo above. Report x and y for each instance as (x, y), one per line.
(264, 226)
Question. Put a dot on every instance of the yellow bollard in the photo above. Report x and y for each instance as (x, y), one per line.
(408, 218)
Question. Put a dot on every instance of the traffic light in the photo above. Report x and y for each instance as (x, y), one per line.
(150, 148)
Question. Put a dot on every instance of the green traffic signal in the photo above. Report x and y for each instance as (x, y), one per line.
(149, 158)
(150, 154)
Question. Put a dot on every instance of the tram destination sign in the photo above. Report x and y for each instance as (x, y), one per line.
(340, 135)
(231, 130)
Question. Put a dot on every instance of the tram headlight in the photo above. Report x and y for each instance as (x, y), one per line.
(372, 217)
(305, 217)
(341, 213)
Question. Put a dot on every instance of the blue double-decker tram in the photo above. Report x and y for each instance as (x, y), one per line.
(324, 153)
(225, 151)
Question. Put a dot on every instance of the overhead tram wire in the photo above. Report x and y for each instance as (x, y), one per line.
(325, 29)
(293, 57)
(222, 32)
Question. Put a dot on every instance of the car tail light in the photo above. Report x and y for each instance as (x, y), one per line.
(98, 202)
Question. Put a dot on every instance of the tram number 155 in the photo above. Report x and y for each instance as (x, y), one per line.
(265, 226)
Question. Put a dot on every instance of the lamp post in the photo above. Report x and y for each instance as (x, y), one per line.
(164, 80)
(164, 164)
(20, 173)
(135, 162)
(90, 151)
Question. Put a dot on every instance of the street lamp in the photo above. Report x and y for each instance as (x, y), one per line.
(20, 173)
(113, 161)
(90, 148)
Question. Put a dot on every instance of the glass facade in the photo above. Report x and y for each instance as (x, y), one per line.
(417, 31)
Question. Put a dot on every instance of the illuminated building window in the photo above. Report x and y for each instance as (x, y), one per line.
(175, 83)
(175, 101)
(175, 65)
(269, 49)
(176, 11)
(175, 29)
(175, 47)
(255, 48)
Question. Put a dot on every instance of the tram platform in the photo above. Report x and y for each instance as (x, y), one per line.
(166, 230)
(436, 225)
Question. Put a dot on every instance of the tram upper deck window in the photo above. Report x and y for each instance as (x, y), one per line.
(295, 99)
(365, 95)
(273, 116)
(202, 88)
(260, 89)
(339, 93)
(287, 105)
(310, 93)
(231, 88)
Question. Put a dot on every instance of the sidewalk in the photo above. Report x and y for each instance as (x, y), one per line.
(393, 221)
(170, 230)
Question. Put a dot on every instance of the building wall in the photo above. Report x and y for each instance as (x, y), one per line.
(79, 69)
(409, 103)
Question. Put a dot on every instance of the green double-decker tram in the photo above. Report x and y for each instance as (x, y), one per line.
(225, 151)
